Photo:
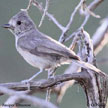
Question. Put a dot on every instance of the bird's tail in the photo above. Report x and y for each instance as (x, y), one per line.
(88, 66)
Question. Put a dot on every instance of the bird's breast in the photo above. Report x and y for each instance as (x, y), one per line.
(36, 61)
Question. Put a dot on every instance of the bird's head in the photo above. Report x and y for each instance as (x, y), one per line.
(20, 23)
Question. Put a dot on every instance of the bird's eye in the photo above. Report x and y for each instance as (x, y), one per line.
(18, 22)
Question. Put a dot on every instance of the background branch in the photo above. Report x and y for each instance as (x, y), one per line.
(100, 38)
(17, 96)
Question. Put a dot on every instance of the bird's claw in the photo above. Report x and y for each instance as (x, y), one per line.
(27, 82)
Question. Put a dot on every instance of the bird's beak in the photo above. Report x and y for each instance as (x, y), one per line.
(8, 26)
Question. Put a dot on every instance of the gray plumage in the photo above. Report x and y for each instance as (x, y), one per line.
(41, 45)
(38, 49)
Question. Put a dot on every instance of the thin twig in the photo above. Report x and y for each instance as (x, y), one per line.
(100, 38)
(91, 7)
(29, 5)
(51, 17)
(18, 96)
(61, 39)
(45, 10)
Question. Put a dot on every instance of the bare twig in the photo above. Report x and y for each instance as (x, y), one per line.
(51, 73)
(62, 37)
(100, 38)
(16, 96)
(70, 69)
(11, 102)
(51, 17)
(29, 5)
(45, 10)
(85, 10)
(91, 7)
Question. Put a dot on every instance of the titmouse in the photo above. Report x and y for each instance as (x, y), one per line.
(38, 49)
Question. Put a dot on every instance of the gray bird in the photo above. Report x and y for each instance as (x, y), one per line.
(38, 49)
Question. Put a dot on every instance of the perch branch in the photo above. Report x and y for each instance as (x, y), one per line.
(44, 84)
(85, 79)
(66, 85)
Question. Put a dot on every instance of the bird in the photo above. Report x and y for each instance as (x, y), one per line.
(38, 49)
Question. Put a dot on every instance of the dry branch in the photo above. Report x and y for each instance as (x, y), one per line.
(45, 10)
(50, 16)
(86, 80)
(44, 84)
(100, 38)
(72, 67)
(17, 96)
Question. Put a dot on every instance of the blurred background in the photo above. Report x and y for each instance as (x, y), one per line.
(13, 68)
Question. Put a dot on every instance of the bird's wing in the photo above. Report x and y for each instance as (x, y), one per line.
(40, 44)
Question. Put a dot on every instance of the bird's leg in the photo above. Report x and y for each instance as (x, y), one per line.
(27, 81)
(51, 73)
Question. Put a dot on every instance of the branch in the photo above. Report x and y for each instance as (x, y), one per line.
(50, 16)
(93, 5)
(44, 84)
(73, 67)
(84, 11)
(16, 96)
(88, 80)
(62, 37)
(100, 38)
(45, 10)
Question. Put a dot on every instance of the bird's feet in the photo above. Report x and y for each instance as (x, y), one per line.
(27, 82)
